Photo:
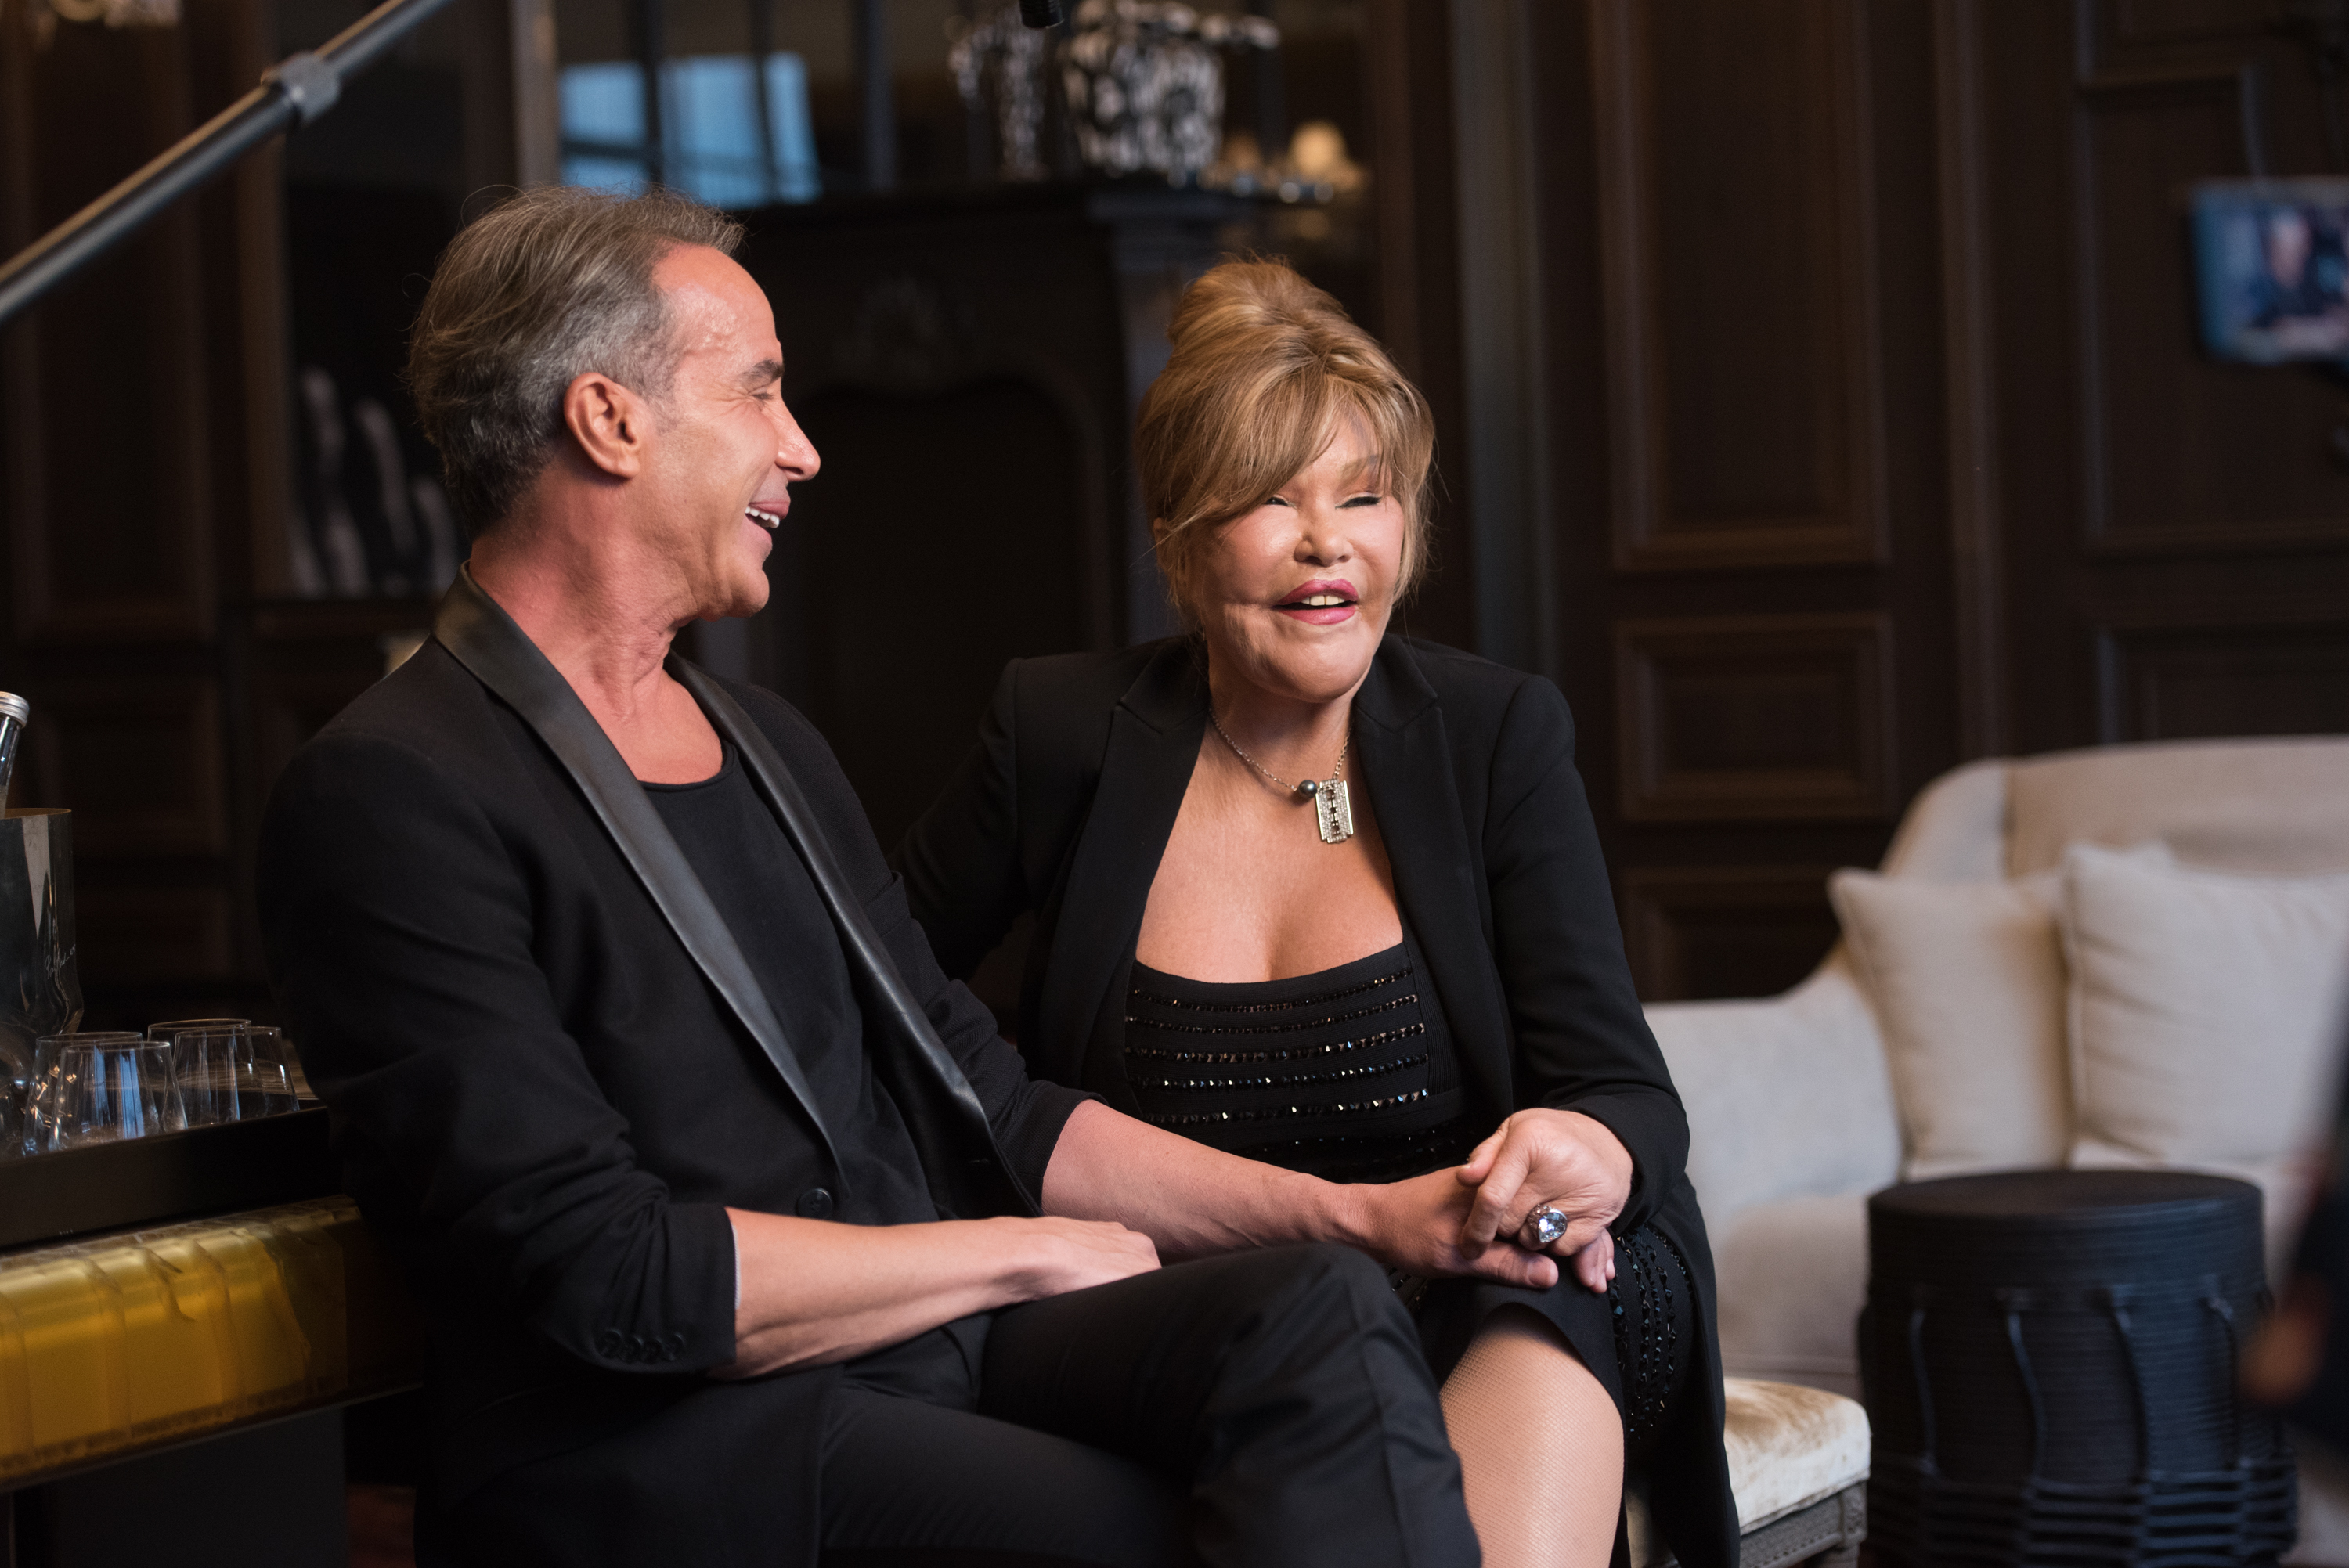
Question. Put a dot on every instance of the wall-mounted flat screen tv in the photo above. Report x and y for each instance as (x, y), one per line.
(2271, 268)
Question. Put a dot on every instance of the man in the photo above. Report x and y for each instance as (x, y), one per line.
(738, 1235)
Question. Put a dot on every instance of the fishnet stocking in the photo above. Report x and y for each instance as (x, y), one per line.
(1540, 1446)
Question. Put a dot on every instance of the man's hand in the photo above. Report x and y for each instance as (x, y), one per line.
(1194, 1201)
(1071, 1254)
(1560, 1160)
(1418, 1226)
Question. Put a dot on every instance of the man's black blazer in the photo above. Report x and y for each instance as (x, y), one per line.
(541, 1104)
(1064, 809)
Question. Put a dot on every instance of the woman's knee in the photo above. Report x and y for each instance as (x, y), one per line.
(1519, 1366)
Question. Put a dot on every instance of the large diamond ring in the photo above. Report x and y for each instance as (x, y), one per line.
(1544, 1226)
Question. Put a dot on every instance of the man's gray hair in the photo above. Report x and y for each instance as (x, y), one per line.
(537, 291)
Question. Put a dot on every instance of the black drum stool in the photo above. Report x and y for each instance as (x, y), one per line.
(2049, 1359)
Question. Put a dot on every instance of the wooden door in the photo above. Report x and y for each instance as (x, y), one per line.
(1742, 304)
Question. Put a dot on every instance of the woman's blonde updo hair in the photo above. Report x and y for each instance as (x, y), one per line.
(1264, 366)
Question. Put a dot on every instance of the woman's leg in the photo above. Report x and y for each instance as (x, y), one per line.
(1540, 1446)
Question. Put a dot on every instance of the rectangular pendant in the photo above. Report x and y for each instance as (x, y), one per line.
(1335, 811)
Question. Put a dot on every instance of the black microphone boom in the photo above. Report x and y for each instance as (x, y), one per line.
(297, 89)
(1043, 13)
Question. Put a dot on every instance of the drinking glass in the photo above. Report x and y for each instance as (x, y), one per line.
(105, 1088)
(16, 1097)
(165, 1030)
(212, 1060)
(266, 1080)
(41, 1095)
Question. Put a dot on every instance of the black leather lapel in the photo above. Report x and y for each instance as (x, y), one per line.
(949, 1116)
(1154, 744)
(485, 640)
(1406, 769)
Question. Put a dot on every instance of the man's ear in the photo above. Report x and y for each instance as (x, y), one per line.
(612, 425)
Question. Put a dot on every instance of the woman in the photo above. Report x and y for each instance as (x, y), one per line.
(1332, 899)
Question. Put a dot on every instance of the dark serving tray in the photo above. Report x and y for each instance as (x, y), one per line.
(205, 1171)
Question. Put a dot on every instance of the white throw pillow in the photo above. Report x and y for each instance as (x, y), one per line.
(1967, 981)
(2206, 1011)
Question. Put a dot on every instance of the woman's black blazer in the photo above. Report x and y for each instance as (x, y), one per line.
(1065, 805)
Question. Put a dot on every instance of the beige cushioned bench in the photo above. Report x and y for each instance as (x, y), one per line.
(1798, 1467)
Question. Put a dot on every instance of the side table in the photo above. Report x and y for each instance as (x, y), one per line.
(2048, 1363)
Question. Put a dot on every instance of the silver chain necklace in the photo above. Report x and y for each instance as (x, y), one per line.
(1333, 812)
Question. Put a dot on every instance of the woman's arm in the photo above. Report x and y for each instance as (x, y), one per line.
(1192, 1200)
(814, 1292)
(1583, 1044)
(1560, 1160)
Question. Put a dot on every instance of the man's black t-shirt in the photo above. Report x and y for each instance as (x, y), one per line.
(765, 895)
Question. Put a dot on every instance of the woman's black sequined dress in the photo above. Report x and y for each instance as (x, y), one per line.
(1350, 1074)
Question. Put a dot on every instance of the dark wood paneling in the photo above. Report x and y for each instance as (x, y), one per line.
(1407, 64)
(1724, 931)
(307, 661)
(137, 761)
(1745, 395)
(2164, 520)
(1744, 718)
(2119, 25)
(142, 471)
(2181, 452)
(109, 481)
(2185, 682)
(139, 936)
(1764, 185)
(1943, 246)
(1977, 555)
(966, 366)
(1006, 563)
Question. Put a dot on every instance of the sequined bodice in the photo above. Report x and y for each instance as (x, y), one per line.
(1347, 1073)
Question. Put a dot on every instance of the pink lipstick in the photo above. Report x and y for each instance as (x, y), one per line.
(1323, 601)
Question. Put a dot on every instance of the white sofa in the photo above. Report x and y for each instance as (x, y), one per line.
(1791, 1100)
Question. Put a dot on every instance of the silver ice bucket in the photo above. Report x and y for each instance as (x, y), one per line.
(40, 986)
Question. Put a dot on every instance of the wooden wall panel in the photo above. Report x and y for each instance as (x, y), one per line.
(1765, 717)
(140, 450)
(111, 492)
(1748, 312)
(139, 936)
(307, 661)
(2173, 531)
(137, 761)
(1740, 286)
(1024, 543)
(1886, 314)
(1724, 931)
(2140, 22)
(2179, 451)
(2187, 683)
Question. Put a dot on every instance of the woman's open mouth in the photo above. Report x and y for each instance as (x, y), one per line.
(1322, 602)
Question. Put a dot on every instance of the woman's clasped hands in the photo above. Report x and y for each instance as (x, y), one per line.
(1471, 1219)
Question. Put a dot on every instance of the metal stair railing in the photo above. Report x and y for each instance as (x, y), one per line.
(293, 92)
